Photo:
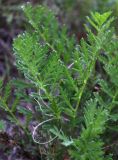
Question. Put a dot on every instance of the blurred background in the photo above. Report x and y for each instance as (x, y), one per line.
(72, 13)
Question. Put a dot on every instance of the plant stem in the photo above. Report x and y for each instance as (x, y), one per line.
(89, 70)
(15, 119)
(113, 99)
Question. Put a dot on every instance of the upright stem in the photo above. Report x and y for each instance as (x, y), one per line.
(88, 73)
(84, 85)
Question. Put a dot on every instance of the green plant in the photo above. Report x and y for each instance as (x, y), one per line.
(72, 116)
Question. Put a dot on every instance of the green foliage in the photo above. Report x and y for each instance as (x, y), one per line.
(62, 74)
(65, 140)
(89, 145)
(9, 102)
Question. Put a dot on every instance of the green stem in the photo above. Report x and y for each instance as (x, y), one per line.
(113, 99)
(89, 70)
(15, 119)
(49, 45)
(48, 95)
(83, 87)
